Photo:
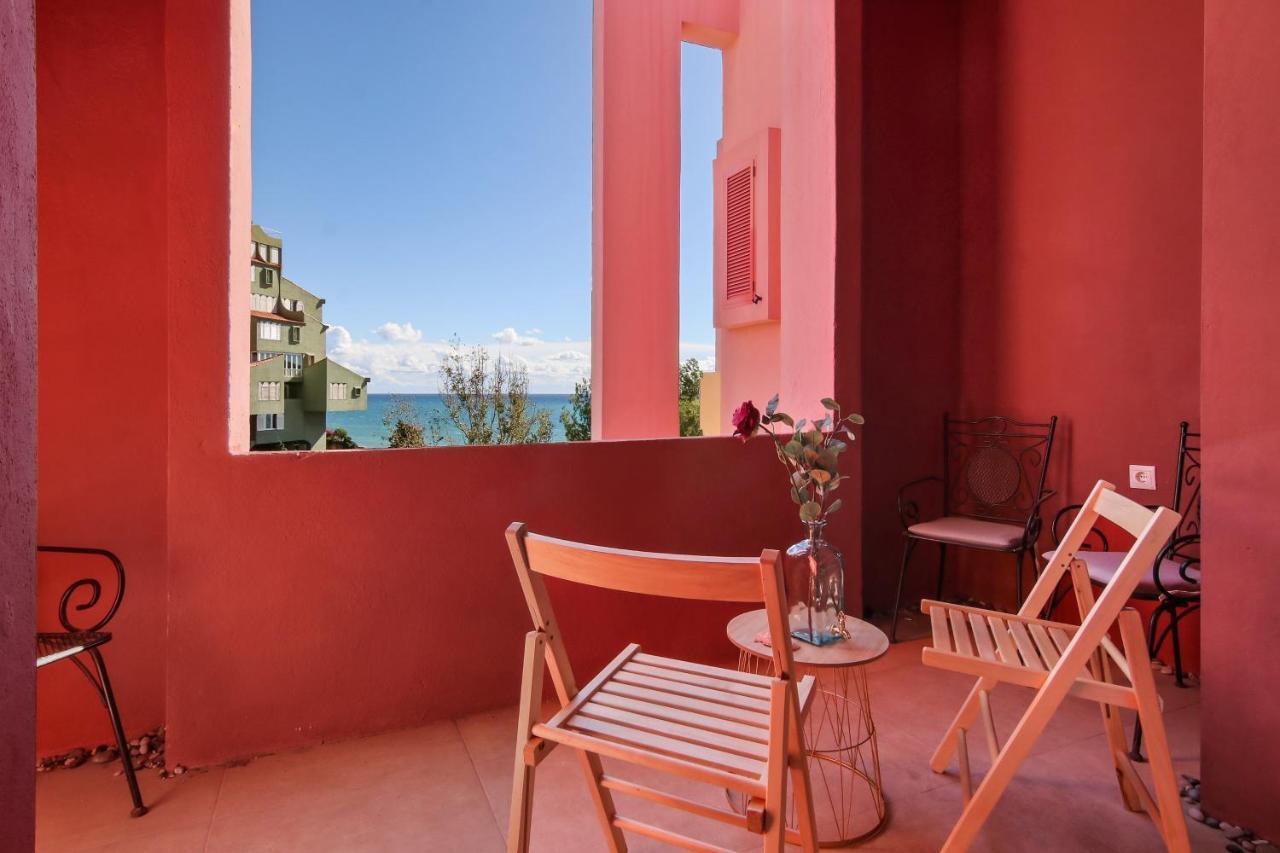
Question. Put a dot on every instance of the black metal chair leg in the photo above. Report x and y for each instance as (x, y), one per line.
(1177, 649)
(1018, 560)
(122, 742)
(942, 568)
(907, 548)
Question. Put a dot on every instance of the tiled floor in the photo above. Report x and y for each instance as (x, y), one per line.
(447, 786)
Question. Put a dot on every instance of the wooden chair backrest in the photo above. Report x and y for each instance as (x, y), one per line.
(1150, 528)
(740, 579)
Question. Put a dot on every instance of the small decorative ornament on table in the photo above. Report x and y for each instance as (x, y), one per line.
(814, 568)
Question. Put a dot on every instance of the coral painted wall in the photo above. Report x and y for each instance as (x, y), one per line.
(1241, 750)
(419, 616)
(18, 450)
(1046, 232)
(104, 298)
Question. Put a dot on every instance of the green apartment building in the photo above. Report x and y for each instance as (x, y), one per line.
(292, 383)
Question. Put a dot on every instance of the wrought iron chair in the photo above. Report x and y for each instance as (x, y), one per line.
(75, 640)
(1173, 581)
(993, 472)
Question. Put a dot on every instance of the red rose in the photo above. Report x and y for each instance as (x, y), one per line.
(746, 420)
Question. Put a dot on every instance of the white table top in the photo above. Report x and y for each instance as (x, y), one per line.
(866, 642)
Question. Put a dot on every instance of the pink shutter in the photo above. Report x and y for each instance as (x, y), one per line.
(740, 273)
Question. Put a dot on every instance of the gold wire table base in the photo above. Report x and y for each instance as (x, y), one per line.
(844, 766)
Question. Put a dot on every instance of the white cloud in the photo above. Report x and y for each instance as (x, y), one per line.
(533, 332)
(396, 332)
(399, 358)
(511, 336)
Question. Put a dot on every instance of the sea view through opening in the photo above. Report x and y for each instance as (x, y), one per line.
(368, 431)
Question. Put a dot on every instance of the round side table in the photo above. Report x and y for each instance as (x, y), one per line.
(840, 735)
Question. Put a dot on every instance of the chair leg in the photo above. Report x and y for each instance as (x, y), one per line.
(1177, 648)
(1018, 562)
(908, 546)
(802, 790)
(122, 742)
(775, 791)
(964, 718)
(1172, 824)
(942, 568)
(521, 816)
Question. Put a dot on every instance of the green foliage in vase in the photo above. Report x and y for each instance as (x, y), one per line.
(811, 457)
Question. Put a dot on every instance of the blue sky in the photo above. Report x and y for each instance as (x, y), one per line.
(429, 166)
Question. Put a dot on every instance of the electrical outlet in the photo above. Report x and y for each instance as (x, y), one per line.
(1142, 477)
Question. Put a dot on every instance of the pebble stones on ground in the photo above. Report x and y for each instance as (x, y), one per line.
(145, 751)
(1239, 839)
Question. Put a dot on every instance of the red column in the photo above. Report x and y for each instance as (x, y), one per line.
(18, 450)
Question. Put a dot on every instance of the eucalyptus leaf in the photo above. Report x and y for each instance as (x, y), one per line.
(828, 403)
(837, 445)
(796, 496)
(856, 419)
(785, 418)
(820, 476)
(772, 405)
(835, 505)
(800, 424)
(828, 460)
(810, 511)
(793, 449)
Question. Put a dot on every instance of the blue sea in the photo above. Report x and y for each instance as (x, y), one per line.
(367, 429)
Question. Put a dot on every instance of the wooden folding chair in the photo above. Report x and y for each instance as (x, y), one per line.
(736, 731)
(1055, 659)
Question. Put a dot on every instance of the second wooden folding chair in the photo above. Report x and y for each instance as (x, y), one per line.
(735, 731)
(1056, 659)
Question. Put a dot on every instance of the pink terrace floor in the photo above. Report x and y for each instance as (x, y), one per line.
(446, 787)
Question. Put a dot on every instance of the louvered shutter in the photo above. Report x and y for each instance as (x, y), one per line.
(739, 243)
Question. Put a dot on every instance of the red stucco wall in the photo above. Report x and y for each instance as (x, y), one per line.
(1032, 212)
(104, 295)
(1241, 747)
(18, 449)
(408, 609)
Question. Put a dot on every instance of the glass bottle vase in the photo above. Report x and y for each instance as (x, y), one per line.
(814, 571)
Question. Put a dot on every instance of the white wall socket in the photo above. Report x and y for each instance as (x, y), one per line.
(1142, 477)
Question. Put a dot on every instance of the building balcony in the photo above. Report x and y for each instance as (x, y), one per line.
(1064, 208)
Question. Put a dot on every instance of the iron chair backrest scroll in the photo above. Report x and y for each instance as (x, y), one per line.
(1186, 491)
(92, 584)
(744, 579)
(994, 468)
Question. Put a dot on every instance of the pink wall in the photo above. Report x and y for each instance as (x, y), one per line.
(18, 450)
(1241, 750)
(635, 269)
(779, 72)
(1056, 269)
(103, 356)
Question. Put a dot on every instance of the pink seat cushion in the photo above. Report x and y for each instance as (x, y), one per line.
(1103, 565)
(958, 530)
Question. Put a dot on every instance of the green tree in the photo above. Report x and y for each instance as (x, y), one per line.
(340, 439)
(486, 401)
(691, 398)
(403, 421)
(576, 417)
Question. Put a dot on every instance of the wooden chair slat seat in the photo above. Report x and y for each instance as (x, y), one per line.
(693, 691)
(738, 731)
(714, 682)
(703, 669)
